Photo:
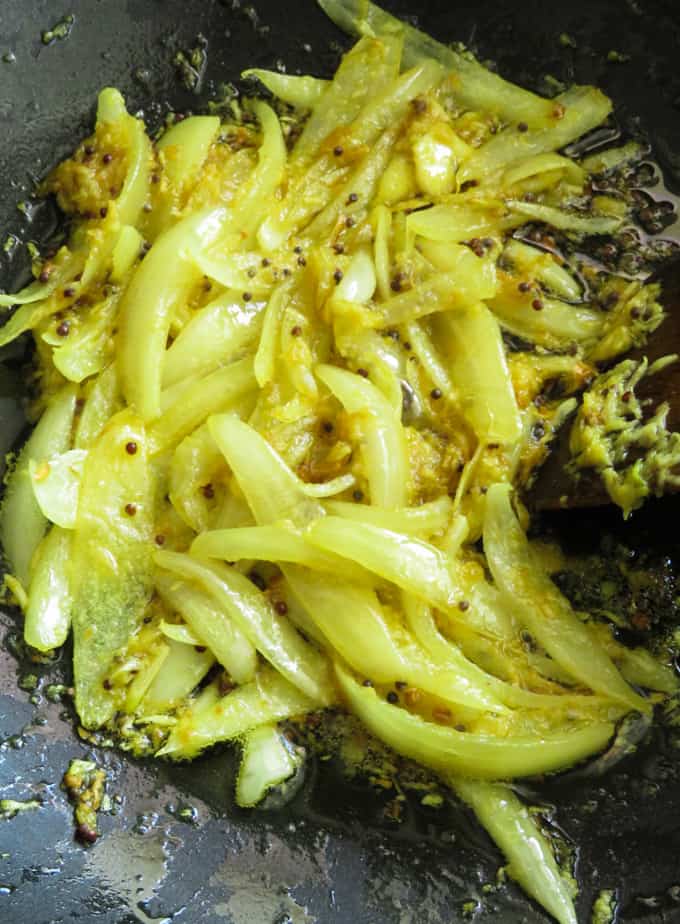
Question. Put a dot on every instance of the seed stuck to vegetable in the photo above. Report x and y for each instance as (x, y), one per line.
(392, 697)
(537, 304)
(131, 448)
(436, 394)
(281, 607)
(131, 509)
(63, 329)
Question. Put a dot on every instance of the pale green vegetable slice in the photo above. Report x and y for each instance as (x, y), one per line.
(484, 756)
(102, 402)
(544, 267)
(471, 341)
(22, 522)
(211, 623)
(384, 448)
(256, 618)
(582, 109)
(530, 858)
(429, 518)
(130, 200)
(272, 543)
(268, 698)
(440, 293)
(566, 220)
(475, 87)
(301, 91)
(540, 606)
(210, 394)
(266, 761)
(367, 642)
(365, 70)
(161, 282)
(272, 490)
(179, 632)
(56, 485)
(136, 690)
(111, 565)
(48, 614)
(126, 252)
(454, 222)
(182, 670)
(555, 323)
(189, 141)
(323, 489)
(89, 345)
(268, 350)
(543, 163)
(66, 265)
(407, 561)
(215, 336)
(603, 161)
(446, 654)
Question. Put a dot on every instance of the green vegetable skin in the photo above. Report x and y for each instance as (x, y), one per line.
(111, 559)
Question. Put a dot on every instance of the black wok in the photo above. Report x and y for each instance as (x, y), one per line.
(174, 846)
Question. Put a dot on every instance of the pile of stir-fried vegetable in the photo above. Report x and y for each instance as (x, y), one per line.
(289, 368)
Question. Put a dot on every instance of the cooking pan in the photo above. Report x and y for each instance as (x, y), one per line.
(174, 847)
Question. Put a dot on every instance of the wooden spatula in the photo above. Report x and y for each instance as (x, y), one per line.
(554, 487)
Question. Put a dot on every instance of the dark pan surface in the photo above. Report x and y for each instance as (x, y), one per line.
(331, 856)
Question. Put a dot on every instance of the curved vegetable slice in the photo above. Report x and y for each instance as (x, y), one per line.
(199, 400)
(475, 86)
(267, 760)
(429, 518)
(566, 221)
(56, 485)
(472, 343)
(384, 447)
(407, 561)
(540, 606)
(214, 336)
(22, 522)
(161, 282)
(301, 91)
(272, 543)
(368, 643)
(530, 858)
(48, 614)
(483, 756)
(184, 148)
(254, 615)
(364, 71)
(111, 559)
(581, 109)
(211, 623)
(111, 108)
(268, 698)
(272, 490)
(183, 668)
(65, 266)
